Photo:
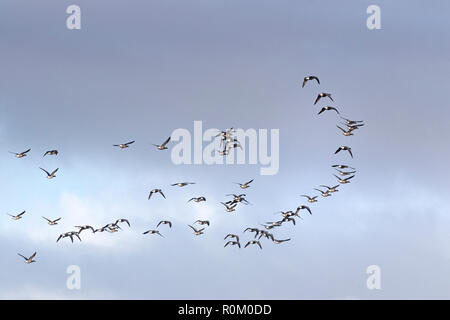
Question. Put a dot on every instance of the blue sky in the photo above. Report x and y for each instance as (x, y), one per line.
(139, 70)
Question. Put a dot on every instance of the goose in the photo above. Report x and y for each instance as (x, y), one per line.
(265, 234)
(286, 213)
(197, 232)
(121, 221)
(308, 78)
(327, 108)
(253, 242)
(202, 222)
(51, 153)
(303, 207)
(232, 236)
(345, 173)
(123, 145)
(229, 208)
(156, 191)
(275, 223)
(20, 154)
(233, 243)
(322, 95)
(30, 259)
(234, 144)
(287, 219)
(280, 241)
(165, 222)
(111, 225)
(324, 193)
(346, 133)
(225, 136)
(343, 181)
(351, 122)
(310, 199)
(74, 233)
(52, 222)
(331, 189)
(342, 166)
(199, 199)
(102, 229)
(112, 229)
(224, 152)
(17, 217)
(244, 185)
(153, 232)
(182, 184)
(82, 228)
(345, 148)
(268, 227)
(255, 230)
(353, 127)
(163, 145)
(50, 175)
(237, 198)
(70, 235)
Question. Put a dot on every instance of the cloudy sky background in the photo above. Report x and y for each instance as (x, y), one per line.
(140, 69)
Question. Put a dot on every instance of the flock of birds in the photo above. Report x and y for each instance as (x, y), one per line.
(344, 174)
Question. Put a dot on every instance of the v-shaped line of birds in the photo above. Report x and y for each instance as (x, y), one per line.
(228, 141)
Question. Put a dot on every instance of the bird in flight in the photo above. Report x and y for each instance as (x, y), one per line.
(303, 207)
(202, 222)
(331, 189)
(323, 95)
(310, 199)
(253, 242)
(327, 108)
(163, 145)
(51, 153)
(229, 208)
(20, 154)
(230, 235)
(244, 185)
(199, 199)
(280, 241)
(324, 193)
(255, 230)
(197, 232)
(82, 228)
(69, 234)
(346, 132)
(308, 78)
(123, 145)
(17, 217)
(30, 259)
(342, 166)
(287, 219)
(345, 148)
(182, 184)
(343, 181)
(352, 122)
(50, 175)
(156, 191)
(52, 222)
(153, 232)
(237, 199)
(345, 173)
(121, 221)
(233, 243)
(165, 222)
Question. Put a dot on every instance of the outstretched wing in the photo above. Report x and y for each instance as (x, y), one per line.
(165, 142)
(45, 171)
